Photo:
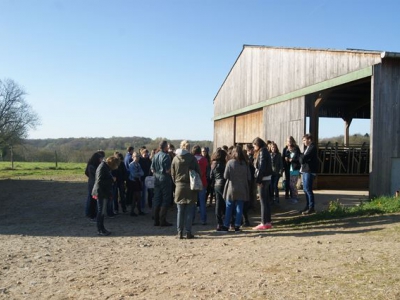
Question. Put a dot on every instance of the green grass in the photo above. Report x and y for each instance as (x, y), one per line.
(336, 210)
(43, 170)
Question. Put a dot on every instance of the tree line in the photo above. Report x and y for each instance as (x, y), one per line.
(80, 149)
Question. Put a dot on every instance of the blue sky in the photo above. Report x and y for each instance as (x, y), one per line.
(152, 68)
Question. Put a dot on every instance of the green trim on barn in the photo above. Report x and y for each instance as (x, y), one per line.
(353, 76)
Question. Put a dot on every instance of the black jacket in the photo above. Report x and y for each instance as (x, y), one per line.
(309, 161)
(262, 165)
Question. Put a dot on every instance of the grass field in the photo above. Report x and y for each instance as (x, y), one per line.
(43, 171)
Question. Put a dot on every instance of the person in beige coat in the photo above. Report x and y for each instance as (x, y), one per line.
(185, 198)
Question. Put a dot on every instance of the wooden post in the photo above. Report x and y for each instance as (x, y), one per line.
(12, 157)
(55, 153)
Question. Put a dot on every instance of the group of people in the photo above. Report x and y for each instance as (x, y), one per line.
(234, 175)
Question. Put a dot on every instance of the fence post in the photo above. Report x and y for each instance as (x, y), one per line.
(55, 153)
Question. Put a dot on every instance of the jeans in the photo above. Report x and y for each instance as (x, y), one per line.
(230, 207)
(185, 217)
(91, 205)
(144, 197)
(162, 193)
(201, 201)
(274, 191)
(220, 204)
(263, 191)
(101, 211)
(119, 190)
(308, 179)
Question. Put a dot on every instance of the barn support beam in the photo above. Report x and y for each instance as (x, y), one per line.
(314, 117)
(347, 123)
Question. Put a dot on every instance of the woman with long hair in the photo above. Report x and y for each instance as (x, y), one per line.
(263, 172)
(218, 163)
(236, 190)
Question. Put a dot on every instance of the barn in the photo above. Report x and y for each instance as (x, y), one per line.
(276, 92)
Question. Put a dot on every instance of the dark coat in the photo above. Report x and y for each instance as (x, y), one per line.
(103, 182)
(309, 160)
(262, 165)
(217, 173)
(296, 159)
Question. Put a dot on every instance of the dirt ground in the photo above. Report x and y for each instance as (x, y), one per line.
(49, 250)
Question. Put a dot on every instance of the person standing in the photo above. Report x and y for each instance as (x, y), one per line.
(161, 168)
(119, 187)
(203, 163)
(277, 167)
(294, 172)
(185, 198)
(90, 172)
(286, 165)
(308, 170)
(103, 190)
(127, 160)
(252, 184)
(145, 163)
(236, 190)
(218, 163)
(135, 183)
(263, 172)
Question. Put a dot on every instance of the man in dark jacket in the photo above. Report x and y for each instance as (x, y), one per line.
(161, 168)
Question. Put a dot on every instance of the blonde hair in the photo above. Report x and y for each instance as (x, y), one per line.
(185, 145)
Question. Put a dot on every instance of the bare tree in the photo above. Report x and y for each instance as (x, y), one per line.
(16, 115)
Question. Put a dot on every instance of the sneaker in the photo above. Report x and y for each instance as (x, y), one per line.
(293, 201)
(263, 226)
(232, 227)
(222, 229)
(237, 229)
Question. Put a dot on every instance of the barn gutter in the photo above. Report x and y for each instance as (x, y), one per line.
(390, 55)
(353, 76)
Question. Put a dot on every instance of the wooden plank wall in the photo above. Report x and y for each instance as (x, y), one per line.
(385, 120)
(249, 126)
(224, 132)
(285, 119)
(261, 73)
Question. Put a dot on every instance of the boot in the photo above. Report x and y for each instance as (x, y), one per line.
(180, 234)
(163, 216)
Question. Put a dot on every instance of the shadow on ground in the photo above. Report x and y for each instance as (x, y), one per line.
(54, 208)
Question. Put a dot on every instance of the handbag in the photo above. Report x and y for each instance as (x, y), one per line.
(195, 181)
(149, 182)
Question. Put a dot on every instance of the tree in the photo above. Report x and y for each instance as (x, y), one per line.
(16, 115)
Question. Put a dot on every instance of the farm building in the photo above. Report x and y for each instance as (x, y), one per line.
(275, 92)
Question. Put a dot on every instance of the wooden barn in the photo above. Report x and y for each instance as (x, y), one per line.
(275, 92)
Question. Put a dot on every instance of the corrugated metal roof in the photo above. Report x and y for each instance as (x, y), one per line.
(384, 54)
